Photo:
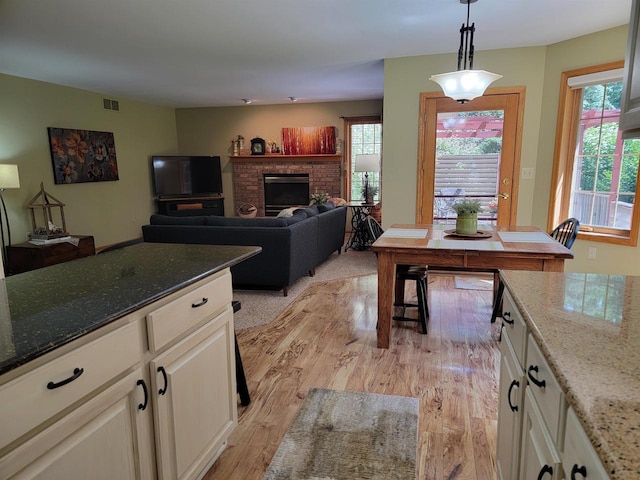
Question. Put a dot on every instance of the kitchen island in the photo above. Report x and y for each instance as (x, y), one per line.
(583, 332)
(119, 365)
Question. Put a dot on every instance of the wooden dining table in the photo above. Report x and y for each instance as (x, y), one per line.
(494, 248)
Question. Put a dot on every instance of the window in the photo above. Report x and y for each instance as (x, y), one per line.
(596, 170)
(363, 135)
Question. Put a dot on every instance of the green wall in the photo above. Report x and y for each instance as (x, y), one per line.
(209, 131)
(110, 211)
(536, 68)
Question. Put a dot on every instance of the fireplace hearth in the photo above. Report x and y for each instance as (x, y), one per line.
(282, 190)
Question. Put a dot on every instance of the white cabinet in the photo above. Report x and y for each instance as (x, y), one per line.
(509, 411)
(579, 459)
(108, 437)
(194, 399)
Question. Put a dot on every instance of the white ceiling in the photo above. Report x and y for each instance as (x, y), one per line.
(193, 53)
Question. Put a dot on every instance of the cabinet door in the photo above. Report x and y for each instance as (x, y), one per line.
(539, 459)
(108, 437)
(509, 412)
(194, 399)
(579, 459)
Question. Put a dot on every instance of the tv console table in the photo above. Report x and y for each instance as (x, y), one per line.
(191, 206)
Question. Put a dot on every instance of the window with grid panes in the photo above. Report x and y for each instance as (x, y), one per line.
(364, 138)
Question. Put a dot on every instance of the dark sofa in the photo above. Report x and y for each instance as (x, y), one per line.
(291, 246)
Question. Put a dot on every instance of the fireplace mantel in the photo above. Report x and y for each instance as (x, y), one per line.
(286, 158)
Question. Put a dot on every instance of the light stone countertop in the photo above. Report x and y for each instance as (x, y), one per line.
(588, 328)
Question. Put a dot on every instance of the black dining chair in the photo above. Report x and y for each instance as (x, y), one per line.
(565, 233)
(404, 273)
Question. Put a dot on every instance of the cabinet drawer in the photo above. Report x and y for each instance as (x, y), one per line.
(514, 327)
(579, 455)
(36, 396)
(542, 384)
(169, 321)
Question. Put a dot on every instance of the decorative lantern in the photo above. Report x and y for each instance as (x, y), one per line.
(46, 203)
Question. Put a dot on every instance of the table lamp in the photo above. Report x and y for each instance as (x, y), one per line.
(8, 179)
(366, 163)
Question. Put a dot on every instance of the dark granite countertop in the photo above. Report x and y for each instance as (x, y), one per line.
(44, 309)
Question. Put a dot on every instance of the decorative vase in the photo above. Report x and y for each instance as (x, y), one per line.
(467, 223)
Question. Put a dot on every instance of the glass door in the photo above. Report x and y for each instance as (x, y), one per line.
(469, 151)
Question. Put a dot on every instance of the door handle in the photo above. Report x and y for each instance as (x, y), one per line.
(503, 195)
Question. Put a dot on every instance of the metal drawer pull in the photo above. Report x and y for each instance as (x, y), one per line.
(196, 305)
(506, 318)
(544, 470)
(576, 469)
(163, 390)
(514, 383)
(536, 382)
(76, 373)
(143, 406)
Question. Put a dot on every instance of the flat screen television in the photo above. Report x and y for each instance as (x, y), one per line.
(185, 176)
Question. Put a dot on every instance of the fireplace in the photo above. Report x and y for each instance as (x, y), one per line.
(283, 190)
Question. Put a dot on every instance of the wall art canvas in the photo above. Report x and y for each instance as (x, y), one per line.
(80, 156)
(309, 140)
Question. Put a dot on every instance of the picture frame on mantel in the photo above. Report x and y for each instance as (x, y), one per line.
(309, 140)
(80, 156)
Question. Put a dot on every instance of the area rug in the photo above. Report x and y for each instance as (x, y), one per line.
(260, 307)
(341, 435)
(474, 282)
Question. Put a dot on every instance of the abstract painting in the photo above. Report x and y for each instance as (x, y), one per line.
(80, 156)
(309, 140)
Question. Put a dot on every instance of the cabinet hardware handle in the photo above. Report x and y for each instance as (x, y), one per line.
(76, 373)
(163, 390)
(536, 382)
(196, 305)
(514, 383)
(576, 469)
(506, 318)
(544, 470)
(143, 406)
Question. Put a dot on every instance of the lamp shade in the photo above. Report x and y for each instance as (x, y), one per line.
(367, 163)
(465, 85)
(9, 176)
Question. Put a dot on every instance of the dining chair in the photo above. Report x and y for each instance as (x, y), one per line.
(565, 233)
(403, 273)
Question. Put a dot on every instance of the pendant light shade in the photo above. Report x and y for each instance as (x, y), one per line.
(465, 84)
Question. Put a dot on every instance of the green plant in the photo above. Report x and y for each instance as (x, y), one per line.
(467, 205)
(319, 198)
(373, 190)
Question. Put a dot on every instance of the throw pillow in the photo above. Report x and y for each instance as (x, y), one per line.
(338, 202)
(286, 212)
(325, 207)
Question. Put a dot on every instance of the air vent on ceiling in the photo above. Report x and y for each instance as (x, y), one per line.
(109, 104)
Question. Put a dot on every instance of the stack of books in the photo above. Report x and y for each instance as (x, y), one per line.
(35, 240)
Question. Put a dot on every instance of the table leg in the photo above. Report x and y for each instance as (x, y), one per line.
(386, 281)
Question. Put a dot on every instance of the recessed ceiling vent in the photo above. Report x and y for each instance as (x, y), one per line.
(109, 104)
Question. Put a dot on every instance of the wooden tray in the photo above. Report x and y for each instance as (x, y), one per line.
(480, 234)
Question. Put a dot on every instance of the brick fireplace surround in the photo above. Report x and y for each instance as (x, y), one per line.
(324, 175)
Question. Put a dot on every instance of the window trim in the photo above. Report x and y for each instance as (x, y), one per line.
(348, 121)
(566, 137)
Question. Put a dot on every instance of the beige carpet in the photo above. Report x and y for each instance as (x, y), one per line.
(341, 435)
(260, 307)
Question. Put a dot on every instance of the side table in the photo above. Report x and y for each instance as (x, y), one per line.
(359, 238)
(26, 256)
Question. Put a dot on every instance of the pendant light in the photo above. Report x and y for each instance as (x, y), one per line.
(465, 84)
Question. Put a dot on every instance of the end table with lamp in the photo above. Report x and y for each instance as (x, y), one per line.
(359, 237)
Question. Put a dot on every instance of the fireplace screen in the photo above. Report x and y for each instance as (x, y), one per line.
(284, 190)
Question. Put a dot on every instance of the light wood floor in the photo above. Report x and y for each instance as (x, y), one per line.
(327, 339)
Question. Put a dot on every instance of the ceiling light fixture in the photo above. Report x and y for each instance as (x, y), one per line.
(465, 84)
(247, 101)
(293, 99)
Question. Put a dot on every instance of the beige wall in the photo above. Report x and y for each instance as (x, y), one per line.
(536, 68)
(110, 211)
(209, 131)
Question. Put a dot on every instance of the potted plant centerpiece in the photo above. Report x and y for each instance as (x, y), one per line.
(467, 220)
(369, 192)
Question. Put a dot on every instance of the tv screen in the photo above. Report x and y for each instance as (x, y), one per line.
(181, 176)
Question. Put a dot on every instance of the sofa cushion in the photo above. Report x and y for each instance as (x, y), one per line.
(325, 207)
(311, 210)
(214, 221)
(286, 212)
(171, 220)
(296, 217)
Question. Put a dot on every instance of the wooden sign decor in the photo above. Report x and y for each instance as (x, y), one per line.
(309, 140)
